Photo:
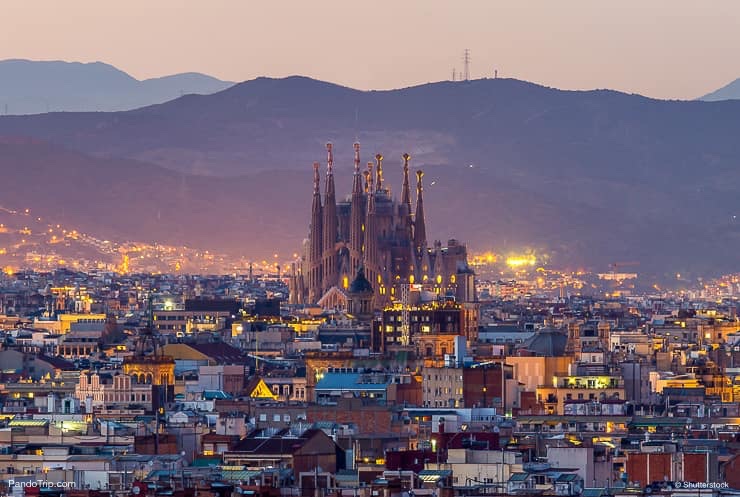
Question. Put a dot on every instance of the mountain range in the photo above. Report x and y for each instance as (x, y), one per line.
(731, 91)
(34, 87)
(586, 178)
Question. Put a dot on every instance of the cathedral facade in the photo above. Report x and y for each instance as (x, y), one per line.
(383, 236)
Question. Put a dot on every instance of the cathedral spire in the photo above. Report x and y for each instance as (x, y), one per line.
(420, 232)
(370, 183)
(316, 181)
(369, 255)
(406, 191)
(357, 214)
(315, 240)
(331, 223)
(379, 160)
(329, 170)
(357, 178)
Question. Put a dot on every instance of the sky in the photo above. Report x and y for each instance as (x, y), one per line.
(659, 48)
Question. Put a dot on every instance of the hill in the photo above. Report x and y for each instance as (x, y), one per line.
(33, 87)
(589, 177)
(731, 91)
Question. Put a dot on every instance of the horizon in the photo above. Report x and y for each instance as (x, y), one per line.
(335, 83)
(580, 46)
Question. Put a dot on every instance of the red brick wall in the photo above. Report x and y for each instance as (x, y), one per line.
(638, 464)
(695, 467)
(732, 472)
(529, 403)
(368, 419)
(408, 394)
(475, 380)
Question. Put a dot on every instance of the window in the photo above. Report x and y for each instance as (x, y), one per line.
(276, 417)
(286, 418)
(263, 417)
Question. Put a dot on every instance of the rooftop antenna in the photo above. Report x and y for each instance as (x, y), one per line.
(454, 74)
(495, 74)
(466, 62)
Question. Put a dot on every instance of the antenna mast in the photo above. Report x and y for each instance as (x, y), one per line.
(466, 62)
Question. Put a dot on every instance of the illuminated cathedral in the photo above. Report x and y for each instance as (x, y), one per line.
(374, 233)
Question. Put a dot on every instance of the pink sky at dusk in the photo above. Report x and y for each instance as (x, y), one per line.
(659, 48)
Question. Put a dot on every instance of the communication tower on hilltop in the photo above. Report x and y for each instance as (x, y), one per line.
(466, 63)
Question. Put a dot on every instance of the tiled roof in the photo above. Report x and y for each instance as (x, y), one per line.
(239, 475)
(567, 477)
(215, 394)
(220, 352)
(57, 362)
(275, 445)
(519, 477)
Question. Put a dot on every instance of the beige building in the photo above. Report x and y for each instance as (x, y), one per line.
(63, 323)
(488, 467)
(105, 390)
(533, 372)
(442, 387)
(287, 389)
(566, 388)
(717, 332)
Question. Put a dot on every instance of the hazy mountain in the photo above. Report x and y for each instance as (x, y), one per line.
(730, 91)
(32, 87)
(589, 177)
(121, 199)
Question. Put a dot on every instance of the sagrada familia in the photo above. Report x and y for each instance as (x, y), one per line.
(370, 232)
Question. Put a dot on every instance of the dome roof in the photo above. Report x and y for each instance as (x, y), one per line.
(360, 284)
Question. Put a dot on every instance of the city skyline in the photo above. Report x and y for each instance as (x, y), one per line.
(577, 45)
(343, 269)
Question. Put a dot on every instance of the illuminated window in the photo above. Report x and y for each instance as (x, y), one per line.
(453, 278)
(345, 282)
(411, 279)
